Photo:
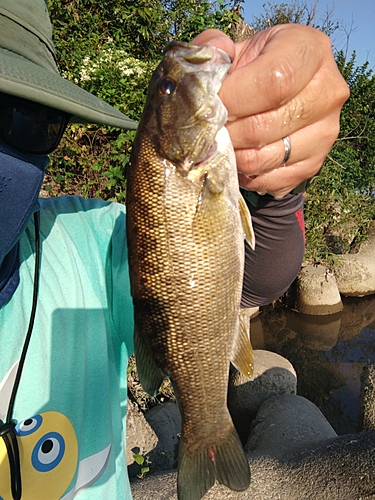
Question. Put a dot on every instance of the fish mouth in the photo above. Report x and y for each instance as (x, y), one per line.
(195, 171)
(205, 144)
(211, 153)
(204, 56)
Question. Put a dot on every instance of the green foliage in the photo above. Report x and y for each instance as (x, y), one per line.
(144, 462)
(354, 152)
(188, 18)
(80, 26)
(90, 162)
(336, 222)
(340, 202)
(99, 44)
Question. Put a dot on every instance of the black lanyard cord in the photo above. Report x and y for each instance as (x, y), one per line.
(7, 432)
(10, 440)
(31, 321)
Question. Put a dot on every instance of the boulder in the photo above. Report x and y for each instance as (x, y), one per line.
(153, 435)
(355, 273)
(294, 453)
(273, 375)
(317, 292)
(165, 421)
(285, 424)
(140, 438)
(367, 398)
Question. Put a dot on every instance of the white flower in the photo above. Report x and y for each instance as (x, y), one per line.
(110, 56)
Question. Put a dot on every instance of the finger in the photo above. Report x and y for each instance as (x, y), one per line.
(288, 58)
(310, 105)
(314, 141)
(309, 149)
(281, 181)
(217, 39)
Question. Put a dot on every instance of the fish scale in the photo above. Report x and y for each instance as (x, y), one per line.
(185, 229)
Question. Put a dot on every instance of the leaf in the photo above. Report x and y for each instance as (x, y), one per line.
(138, 458)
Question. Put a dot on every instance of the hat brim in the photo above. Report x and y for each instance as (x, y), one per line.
(23, 78)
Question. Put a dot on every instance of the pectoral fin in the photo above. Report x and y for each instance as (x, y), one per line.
(209, 189)
(246, 222)
(242, 355)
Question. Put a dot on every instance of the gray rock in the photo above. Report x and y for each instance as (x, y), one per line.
(317, 292)
(367, 398)
(294, 455)
(355, 273)
(285, 424)
(340, 468)
(140, 438)
(273, 375)
(155, 436)
(165, 421)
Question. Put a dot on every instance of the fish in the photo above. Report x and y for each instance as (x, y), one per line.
(186, 226)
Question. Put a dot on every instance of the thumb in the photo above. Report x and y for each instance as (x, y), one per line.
(216, 39)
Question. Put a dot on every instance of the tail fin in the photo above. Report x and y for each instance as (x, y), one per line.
(225, 461)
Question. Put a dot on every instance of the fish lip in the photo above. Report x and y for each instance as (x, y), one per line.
(219, 118)
(199, 54)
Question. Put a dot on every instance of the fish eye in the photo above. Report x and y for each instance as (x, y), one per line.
(167, 86)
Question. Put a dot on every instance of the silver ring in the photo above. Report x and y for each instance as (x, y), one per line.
(287, 148)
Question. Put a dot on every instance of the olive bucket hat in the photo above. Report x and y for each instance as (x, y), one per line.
(28, 66)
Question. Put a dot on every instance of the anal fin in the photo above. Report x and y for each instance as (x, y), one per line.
(242, 356)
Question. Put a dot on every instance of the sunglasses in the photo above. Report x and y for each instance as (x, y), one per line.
(30, 127)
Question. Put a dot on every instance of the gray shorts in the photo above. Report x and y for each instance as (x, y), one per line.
(279, 230)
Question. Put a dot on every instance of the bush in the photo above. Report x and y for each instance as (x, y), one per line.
(340, 203)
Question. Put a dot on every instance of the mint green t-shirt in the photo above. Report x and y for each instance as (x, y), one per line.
(71, 402)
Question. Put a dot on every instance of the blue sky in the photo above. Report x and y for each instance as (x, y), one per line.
(359, 12)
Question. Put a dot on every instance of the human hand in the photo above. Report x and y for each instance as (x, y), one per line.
(284, 81)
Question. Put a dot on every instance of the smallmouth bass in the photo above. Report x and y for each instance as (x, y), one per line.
(186, 223)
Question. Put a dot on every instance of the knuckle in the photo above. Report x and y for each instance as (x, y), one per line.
(252, 161)
(254, 128)
(282, 83)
